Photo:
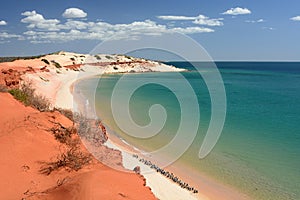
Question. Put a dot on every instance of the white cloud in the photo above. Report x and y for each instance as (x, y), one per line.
(191, 30)
(36, 20)
(237, 11)
(297, 18)
(2, 23)
(73, 24)
(173, 17)
(268, 28)
(255, 21)
(200, 19)
(41, 30)
(203, 20)
(74, 13)
(103, 31)
(32, 17)
(4, 37)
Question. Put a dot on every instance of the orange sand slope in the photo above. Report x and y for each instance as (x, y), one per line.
(26, 140)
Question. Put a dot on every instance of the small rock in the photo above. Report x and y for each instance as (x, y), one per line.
(137, 169)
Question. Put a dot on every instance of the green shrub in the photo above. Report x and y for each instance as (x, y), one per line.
(26, 94)
(46, 61)
(20, 96)
(128, 57)
(97, 57)
(108, 57)
(56, 64)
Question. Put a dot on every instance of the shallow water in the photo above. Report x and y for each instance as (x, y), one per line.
(258, 151)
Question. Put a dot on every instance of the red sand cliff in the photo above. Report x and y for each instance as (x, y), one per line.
(26, 140)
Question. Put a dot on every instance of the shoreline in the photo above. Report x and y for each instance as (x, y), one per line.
(208, 188)
(57, 85)
(161, 186)
(154, 180)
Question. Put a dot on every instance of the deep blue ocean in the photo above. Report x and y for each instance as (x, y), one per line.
(258, 152)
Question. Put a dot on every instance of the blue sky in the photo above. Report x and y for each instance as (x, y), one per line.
(228, 30)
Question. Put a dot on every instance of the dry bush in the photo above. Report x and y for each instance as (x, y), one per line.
(3, 88)
(91, 130)
(63, 135)
(66, 112)
(72, 159)
(40, 103)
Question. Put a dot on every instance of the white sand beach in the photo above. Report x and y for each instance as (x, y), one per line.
(56, 86)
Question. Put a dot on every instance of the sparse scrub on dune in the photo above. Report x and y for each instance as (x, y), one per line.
(63, 135)
(97, 57)
(108, 57)
(56, 64)
(26, 94)
(46, 61)
(128, 57)
(66, 112)
(72, 159)
(90, 129)
(11, 59)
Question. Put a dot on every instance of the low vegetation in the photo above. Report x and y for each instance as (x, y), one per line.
(26, 94)
(128, 57)
(108, 57)
(11, 59)
(97, 57)
(72, 159)
(66, 112)
(46, 61)
(63, 135)
(3, 88)
(90, 129)
(56, 64)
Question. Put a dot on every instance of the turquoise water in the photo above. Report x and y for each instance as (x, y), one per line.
(258, 151)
